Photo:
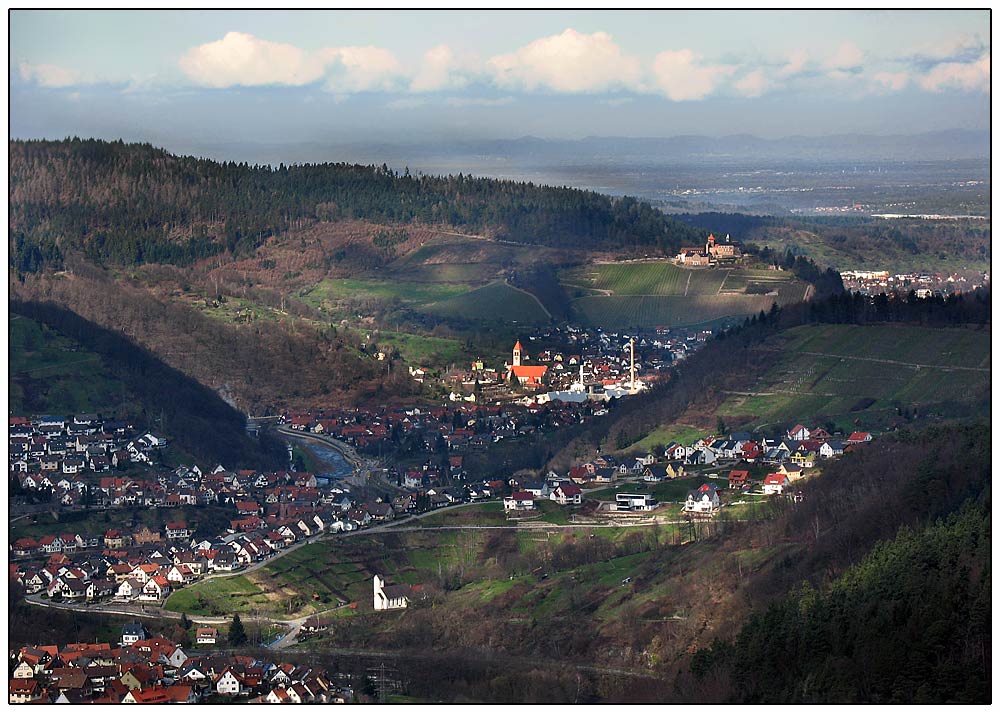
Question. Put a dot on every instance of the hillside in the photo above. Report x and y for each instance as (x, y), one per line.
(131, 204)
(557, 594)
(850, 643)
(847, 362)
(865, 377)
(653, 294)
(63, 364)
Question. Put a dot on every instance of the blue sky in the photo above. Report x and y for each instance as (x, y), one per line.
(285, 77)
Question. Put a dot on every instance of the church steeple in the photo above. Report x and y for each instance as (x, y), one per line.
(517, 354)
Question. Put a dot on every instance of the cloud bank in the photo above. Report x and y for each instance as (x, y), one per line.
(570, 62)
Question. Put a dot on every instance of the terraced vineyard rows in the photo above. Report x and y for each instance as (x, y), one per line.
(674, 311)
(831, 372)
(662, 294)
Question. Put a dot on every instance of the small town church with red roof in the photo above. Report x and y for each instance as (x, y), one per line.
(530, 376)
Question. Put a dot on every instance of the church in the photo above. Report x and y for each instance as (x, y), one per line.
(395, 596)
(530, 376)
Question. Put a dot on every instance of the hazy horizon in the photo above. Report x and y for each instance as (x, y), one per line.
(334, 77)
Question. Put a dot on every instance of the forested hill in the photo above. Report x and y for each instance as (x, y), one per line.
(133, 203)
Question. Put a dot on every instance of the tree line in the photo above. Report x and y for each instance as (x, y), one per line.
(133, 203)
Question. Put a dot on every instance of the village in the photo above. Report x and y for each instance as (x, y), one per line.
(142, 668)
(924, 284)
(260, 514)
(570, 364)
(138, 568)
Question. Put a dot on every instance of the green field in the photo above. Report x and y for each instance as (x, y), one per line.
(490, 513)
(421, 350)
(320, 576)
(836, 381)
(496, 302)
(50, 373)
(623, 312)
(662, 436)
(662, 294)
(332, 292)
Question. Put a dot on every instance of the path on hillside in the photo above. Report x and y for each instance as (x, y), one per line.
(883, 361)
(538, 301)
(783, 392)
(721, 284)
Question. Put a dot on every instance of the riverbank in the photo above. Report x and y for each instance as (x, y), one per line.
(351, 459)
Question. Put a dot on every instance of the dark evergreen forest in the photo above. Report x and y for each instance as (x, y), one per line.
(129, 204)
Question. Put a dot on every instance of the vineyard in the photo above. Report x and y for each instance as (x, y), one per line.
(864, 377)
(496, 302)
(662, 294)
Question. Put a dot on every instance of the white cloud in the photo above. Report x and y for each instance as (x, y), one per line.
(617, 101)
(49, 75)
(681, 77)
(243, 59)
(568, 62)
(847, 56)
(359, 69)
(440, 69)
(752, 84)
(968, 76)
(475, 101)
(953, 48)
(796, 63)
(890, 81)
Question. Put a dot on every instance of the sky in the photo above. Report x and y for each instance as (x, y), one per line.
(189, 78)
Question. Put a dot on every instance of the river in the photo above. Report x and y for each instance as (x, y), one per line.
(335, 466)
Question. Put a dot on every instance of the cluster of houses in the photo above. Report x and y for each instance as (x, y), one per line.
(873, 282)
(141, 668)
(801, 449)
(800, 446)
(45, 449)
(420, 428)
(147, 565)
(566, 356)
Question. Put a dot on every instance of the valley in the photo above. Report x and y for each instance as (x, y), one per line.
(618, 542)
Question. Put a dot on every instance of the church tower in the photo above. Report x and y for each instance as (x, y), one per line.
(517, 354)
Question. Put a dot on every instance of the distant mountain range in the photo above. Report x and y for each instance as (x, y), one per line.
(958, 144)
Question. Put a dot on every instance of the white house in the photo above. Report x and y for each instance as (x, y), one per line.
(799, 433)
(519, 500)
(565, 494)
(228, 683)
(831, 449)
(129, 589)
(630, 502)
(702, 499)
(775, 483)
